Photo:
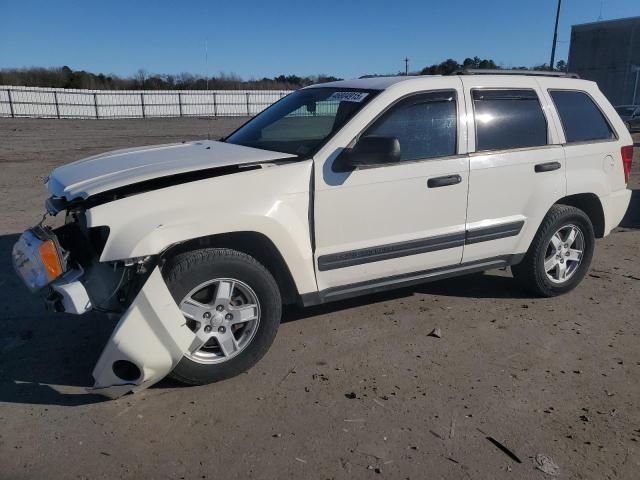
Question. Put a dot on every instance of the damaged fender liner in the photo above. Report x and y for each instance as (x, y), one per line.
(150, 338)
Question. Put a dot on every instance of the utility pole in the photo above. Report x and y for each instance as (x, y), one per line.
(555, 38)
(406, 66)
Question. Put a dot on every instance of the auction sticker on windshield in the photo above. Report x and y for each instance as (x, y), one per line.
(348, 96)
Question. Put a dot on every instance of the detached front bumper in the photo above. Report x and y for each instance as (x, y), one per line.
(148, 341)
(146, 344)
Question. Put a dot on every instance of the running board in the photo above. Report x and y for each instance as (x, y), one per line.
(405, 280)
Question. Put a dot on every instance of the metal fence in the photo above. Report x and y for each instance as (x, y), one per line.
(33, 102)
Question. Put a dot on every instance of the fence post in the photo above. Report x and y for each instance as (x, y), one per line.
(215, 105)
(55, 99)
(180, 102)
(95, 104)
(248, 111)
(13, 115)
(142, 103)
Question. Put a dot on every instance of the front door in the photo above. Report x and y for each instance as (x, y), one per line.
(388, 221)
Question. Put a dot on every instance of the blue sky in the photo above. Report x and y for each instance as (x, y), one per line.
(254, 39)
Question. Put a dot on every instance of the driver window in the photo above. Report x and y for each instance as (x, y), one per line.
(424, 124)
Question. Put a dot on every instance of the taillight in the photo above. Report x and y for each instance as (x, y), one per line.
(627, 158)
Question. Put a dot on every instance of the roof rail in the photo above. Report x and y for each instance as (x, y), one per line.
(532, 73)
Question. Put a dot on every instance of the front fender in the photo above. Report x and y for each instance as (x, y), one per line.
(272, 201)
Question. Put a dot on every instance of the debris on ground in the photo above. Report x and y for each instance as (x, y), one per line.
(546, 465)
(435, 333)
(505, 450)
(291, 371)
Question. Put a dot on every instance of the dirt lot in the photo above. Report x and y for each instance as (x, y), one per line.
(351, 390)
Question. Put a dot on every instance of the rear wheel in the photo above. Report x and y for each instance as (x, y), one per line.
(232, 304)
(560, 253)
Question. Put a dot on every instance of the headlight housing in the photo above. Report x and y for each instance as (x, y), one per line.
(38, 258)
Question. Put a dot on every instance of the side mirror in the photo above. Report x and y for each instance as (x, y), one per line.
(370, 150)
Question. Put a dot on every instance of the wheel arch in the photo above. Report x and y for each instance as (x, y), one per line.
(591, 205)
(255, 244)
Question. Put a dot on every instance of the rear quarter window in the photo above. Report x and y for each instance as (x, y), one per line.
(507, 119)
(581, 118)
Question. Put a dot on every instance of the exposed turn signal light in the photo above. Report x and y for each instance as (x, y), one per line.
(50, 259)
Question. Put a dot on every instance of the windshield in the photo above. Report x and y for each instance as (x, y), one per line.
(625, 111)
(303, 121)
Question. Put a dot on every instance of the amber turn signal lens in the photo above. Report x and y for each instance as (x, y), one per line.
(50, 259)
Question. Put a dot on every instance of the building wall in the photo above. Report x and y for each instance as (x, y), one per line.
(605, 53)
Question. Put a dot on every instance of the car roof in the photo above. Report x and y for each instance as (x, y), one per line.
(371, 83)
(383, 83)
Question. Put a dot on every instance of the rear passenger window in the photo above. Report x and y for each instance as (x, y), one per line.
(508, 119)
(581, 118)
(425, 124)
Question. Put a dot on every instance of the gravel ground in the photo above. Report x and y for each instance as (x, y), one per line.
(355, 389)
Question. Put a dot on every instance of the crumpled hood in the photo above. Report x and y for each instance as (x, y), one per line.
(119, 168)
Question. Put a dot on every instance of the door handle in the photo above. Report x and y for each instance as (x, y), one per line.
(443, 181)
(547, 167)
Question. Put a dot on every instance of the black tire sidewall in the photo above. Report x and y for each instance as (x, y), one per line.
(247, 270)
(580, 220)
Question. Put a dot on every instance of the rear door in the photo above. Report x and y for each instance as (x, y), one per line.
(517, 165)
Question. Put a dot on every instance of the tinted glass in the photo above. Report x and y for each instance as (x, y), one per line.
(581, 119)
(424, 124)
(301, 122)
(508, 119)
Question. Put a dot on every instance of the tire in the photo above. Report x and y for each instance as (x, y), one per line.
(531, 272)
(217, 269)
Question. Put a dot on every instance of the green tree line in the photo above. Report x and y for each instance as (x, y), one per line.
(65, 77)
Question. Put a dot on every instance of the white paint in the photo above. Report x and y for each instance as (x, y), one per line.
(152, 334)
(118, 168)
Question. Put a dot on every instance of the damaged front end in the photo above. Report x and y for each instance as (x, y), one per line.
(64, 265)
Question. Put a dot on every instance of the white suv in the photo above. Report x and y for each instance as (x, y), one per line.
(337, 190)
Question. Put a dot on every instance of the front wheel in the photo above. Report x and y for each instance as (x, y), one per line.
(232, 304)
(560, 253)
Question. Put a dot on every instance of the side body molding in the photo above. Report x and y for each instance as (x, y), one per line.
(152, 334)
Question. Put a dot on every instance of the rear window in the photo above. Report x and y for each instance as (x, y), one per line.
(581, 118)
(507, 119)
